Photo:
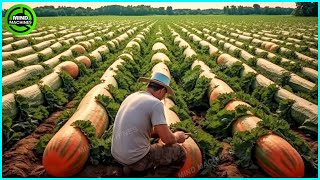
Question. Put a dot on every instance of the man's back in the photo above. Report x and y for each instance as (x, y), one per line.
(133, 124)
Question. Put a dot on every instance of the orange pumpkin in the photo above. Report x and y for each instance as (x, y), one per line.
(278, 158)
(221, 59)
(217, 88)
(268, 45)
(85, 60)
(78, 48)
(231, 106)
(245, 123)
(272, 153)
(71, 68)
(193, 161)
(213, 50)
(67, 152)
(274, 48)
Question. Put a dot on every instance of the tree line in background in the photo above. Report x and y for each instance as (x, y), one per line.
(303, 9)
(256, 9)
(306, 9)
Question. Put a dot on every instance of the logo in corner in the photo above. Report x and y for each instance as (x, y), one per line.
(20, 19)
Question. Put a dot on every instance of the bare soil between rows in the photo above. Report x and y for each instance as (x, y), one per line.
(22, 161)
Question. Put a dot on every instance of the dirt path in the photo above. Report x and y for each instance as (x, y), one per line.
(100, 171)
(227, 167)
(21, 160)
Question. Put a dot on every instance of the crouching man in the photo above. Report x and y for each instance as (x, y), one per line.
(140, 117)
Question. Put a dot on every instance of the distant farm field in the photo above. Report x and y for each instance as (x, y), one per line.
(246, 89)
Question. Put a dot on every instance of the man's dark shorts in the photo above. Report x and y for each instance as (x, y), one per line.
(161, 161)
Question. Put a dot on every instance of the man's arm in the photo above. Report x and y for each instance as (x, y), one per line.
(167, 136)
(154, 134)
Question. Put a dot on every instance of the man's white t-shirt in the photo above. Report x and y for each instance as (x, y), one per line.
(138, 113)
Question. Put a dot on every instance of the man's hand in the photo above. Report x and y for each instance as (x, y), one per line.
(180, 136)
(167, 137)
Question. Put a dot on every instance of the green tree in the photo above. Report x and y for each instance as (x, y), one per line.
(257, 9)
(306, 9)
(266, 10)
(169, 10)
(4, 12)
(233, 9)
(225, 9)
(240, 10)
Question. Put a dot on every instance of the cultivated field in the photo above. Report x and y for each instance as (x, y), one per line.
(246, 89)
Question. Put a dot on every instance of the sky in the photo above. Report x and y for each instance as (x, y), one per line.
(175, 5)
